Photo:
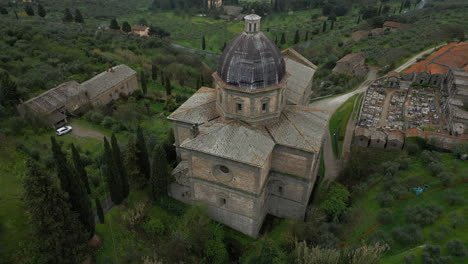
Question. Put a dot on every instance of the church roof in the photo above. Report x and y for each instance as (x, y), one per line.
(235, 141)
(108, 79)
(300, 128)
(198, 109)
(301, 75)
(252, 61)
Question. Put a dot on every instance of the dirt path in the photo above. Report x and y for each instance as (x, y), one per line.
(332, 165)
(386, 105)
(80, 131)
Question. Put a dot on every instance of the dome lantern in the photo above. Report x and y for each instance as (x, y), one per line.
(252, 23)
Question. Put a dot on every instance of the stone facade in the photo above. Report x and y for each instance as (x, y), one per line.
(246, 150)
(352, 64)
(53, 106)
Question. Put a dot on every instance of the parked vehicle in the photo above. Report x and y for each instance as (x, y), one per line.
(63, 130)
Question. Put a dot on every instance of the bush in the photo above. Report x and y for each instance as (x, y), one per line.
(385, 199)
(439, 234)
(423, 215)
(336, 200)
(456, 248)
(380, 237)
(108, 122)
(407, 235)
(385, 216)
(154, 227)
(431, 255)
(454, 198)
(456, 219)
(409, 259)
(436, 167)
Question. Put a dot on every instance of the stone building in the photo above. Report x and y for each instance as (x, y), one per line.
(248, 147)
(352, 64)
(142, 31)
(214, 3)
(395, 140)
(455, 105)
(378, 139)
(53, 106)
(393, 26)
(361, 137)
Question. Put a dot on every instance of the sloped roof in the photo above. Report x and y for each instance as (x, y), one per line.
(301, 75)
(108, 79)
(392, 24)
(235, 141)
(198, 109)
(139, 28)
(453, 55)
(353, 58)
(300, 127)
(54, 98)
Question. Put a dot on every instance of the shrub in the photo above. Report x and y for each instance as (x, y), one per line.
(380, 237)
(409, 259)
(456, 248)
(154, 227)
(134, 216)
(436, 167)
(107, 122)
(336, 200)
(431, 255)
(385, 199)
(385, 216)
(456, 219)
(439, 234)
(423, 214)
(407, 235)
(454, 198)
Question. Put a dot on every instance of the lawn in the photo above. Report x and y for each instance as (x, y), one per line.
(339, 122)
(367, 208)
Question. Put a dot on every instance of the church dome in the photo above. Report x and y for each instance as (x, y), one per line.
(252, 61)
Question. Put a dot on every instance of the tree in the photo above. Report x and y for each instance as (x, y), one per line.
(297, 37)
(358, 19)
(112, 175)
(306, 36)
(59, 235)
(79, 167)
(457, 248)
(265, 251)
(118, 161)
(78, 17)
(131, 161)
(332, 24)
(324, 26)
(283, 39)
(460, 149)
(144, 85)
(99, 211)
(67, 16)
(126, 27)
(3, 11)
(203, 43)
(159, 175)
(168, 86)
(74, 187)
(8, 92)
(142, 155)
(114, 24)
(29, 11)
(41, 11)
(154, 72)
(336, 200)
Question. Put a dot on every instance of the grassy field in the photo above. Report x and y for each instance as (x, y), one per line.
(339, 122)
(367, 208)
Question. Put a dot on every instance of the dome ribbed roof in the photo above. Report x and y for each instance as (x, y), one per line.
(252, 61)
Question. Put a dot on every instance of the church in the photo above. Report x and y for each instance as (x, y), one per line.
(250, 146)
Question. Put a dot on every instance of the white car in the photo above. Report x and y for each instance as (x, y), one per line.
(63, 130)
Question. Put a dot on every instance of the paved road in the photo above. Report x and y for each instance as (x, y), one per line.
(415, 58)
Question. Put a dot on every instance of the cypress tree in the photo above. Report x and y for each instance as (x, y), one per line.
(126, 27)
(203, 43)
(163, 78)
(78, 17)
(380, 10)
(114, 24)
(61, 238)
(61, 167)
(131, 160)
(296, 37)
(144, 85)
(67, 16)
(8, 90)
(99, 211)
(3, 11)
(80, 168)
(283, 39)
(168, 86)
(159, 175)
(358, 19)
(202, 80)
(112, 175)
(29, 11)
(154, 72)
(276, 40)
(332, 24)
(401, 7)
(142, 155)
(324, 27)
(117, 156)
(306, 36)
(41, 11)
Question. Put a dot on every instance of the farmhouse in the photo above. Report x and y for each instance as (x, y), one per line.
(352, 64)
(142, 31)
(249, 146)
(53, 106)
(393, 26)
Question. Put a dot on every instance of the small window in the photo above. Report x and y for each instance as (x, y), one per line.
(250, 27)
(222, 201)
(280, 190)
(255, 27)
(239, 107)
(224, 169)
(264, 107)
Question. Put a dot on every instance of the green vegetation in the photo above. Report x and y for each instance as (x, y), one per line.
(339, 122)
